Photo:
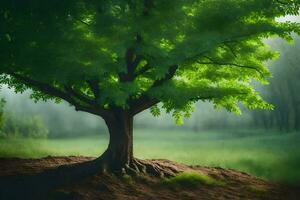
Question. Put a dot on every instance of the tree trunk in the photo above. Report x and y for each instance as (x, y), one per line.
(118, 157)
(120, 148)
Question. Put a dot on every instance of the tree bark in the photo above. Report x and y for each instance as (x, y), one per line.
(119, 152)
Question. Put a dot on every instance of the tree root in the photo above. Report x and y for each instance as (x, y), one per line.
(148, 167)
(104, 164)
(135, 167)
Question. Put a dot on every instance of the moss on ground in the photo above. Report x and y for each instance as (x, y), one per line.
(191, 180)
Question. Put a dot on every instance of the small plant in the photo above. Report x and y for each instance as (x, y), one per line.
(191, 180)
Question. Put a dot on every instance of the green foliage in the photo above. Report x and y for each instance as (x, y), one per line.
(216, 45)
(155, 111)
(191, 179)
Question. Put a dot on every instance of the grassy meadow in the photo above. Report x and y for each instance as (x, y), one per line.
(271, 155)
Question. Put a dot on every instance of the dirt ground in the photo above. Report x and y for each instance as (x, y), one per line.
(26, 179)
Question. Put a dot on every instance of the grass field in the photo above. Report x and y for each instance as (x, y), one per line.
(275, 156)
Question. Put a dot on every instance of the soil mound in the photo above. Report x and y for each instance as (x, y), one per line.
(26, 179)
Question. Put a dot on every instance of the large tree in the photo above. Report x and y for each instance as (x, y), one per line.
(116, 58)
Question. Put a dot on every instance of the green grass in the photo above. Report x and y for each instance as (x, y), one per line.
(191, 180)
(275, 156)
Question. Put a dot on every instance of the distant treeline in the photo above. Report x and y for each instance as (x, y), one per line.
(21, 117)
(283, 91)
(13, 126)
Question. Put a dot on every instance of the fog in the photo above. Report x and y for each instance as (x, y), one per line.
(61, 119)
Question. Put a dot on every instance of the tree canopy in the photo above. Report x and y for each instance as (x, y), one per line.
(127, 54)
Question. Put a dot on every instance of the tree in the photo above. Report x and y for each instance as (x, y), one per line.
(116, 58)
(2, 117)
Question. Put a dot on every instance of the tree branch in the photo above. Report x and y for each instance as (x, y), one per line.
(142, 70)
(53, 91)
(93, 84)
(171, 72)
(213, 62)
(81, 21)
(132, 61)
(145, 102)
(227, 41)
(216, 96)
(227, 45)
(79, 95)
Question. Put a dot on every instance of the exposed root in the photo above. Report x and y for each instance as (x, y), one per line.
(149, 167)
(135, 168)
